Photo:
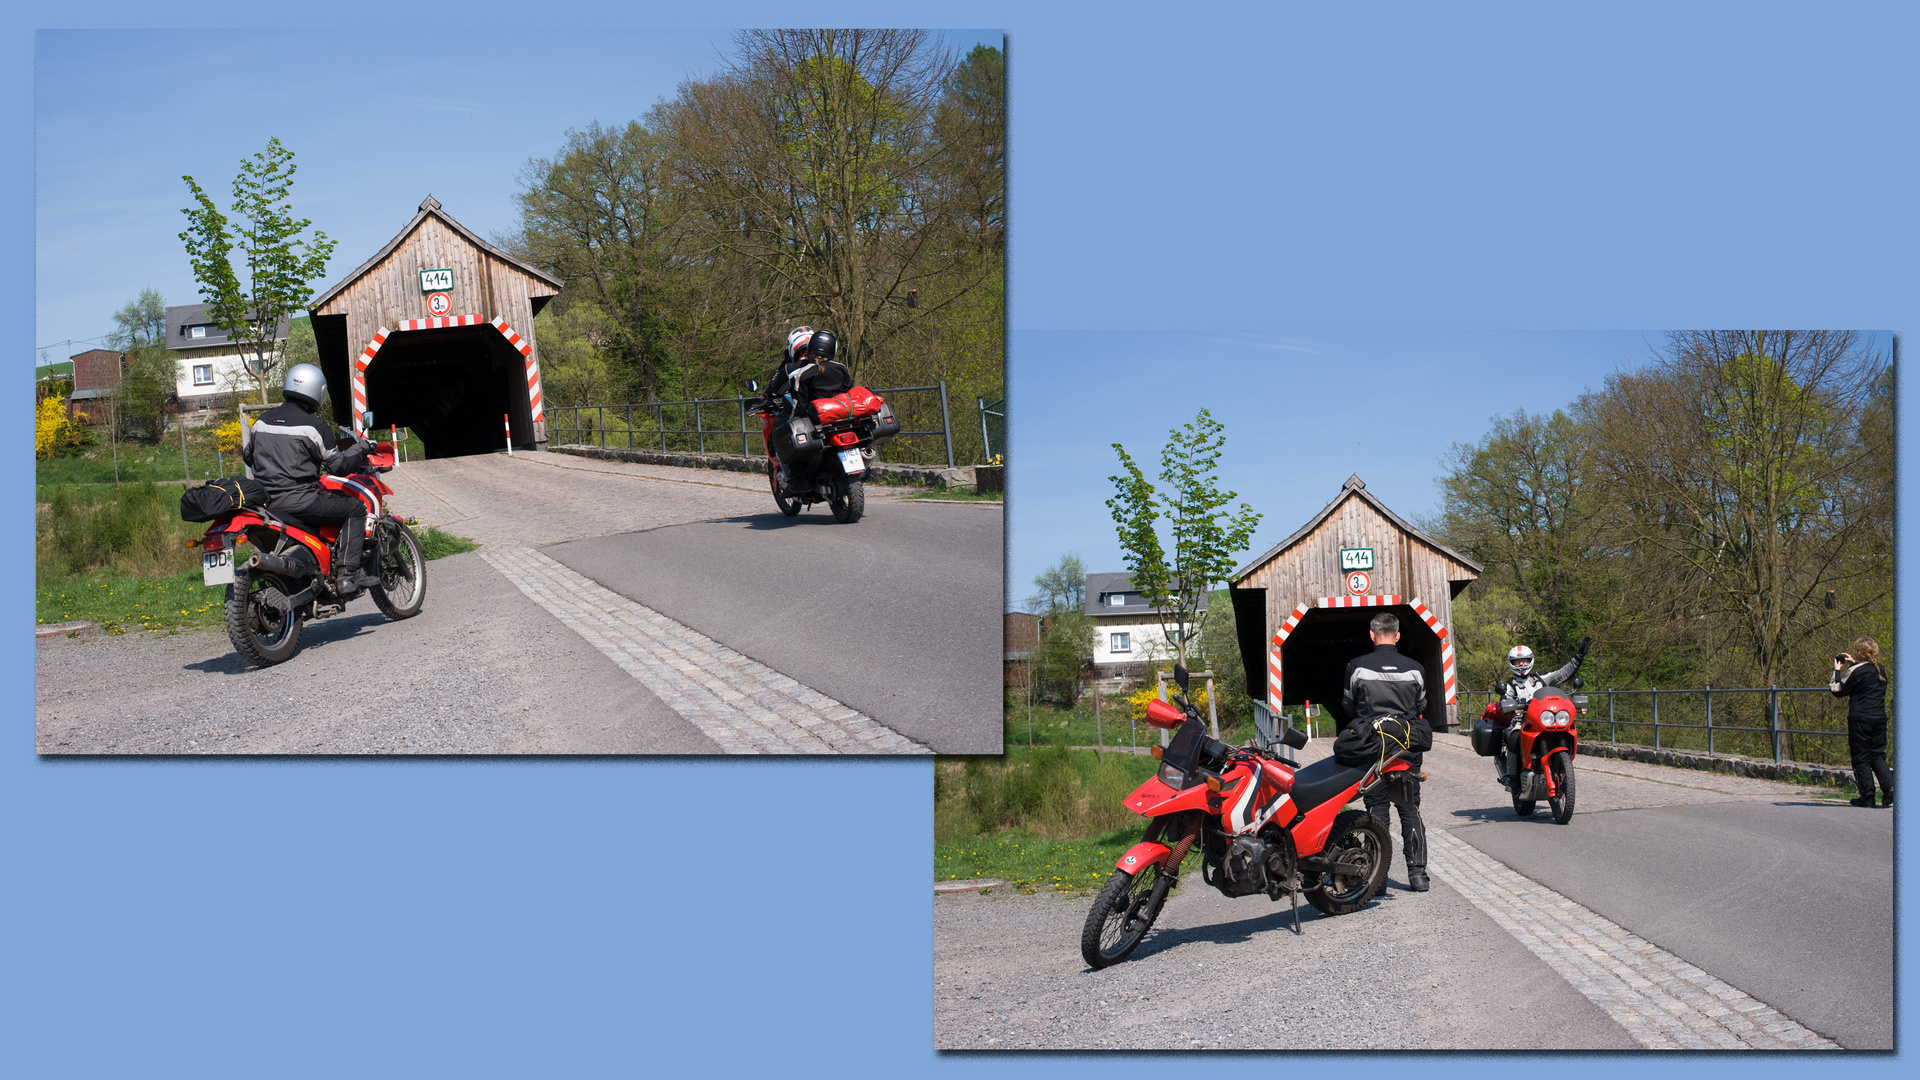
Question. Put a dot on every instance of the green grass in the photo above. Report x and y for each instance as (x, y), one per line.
(438, 544)
(1031, 864)
(159, 461)
(120, 603)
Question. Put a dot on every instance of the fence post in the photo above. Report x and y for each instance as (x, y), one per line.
(630, 425)
(1709, 719)
(946, 426)
(743, 445)
(1612, 728)
(986, 444)
(699, 431)
(1773, 693)
(1656, 718)
(603, 427)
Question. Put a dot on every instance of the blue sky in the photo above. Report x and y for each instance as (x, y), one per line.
(1302, 412)
(377, 120)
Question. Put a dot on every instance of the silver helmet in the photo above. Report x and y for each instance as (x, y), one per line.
(305, 385)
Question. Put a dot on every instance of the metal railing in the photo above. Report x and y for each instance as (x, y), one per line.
(587, 425)
(1749, 721)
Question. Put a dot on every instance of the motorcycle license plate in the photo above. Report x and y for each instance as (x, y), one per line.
(851, 462)
(216, 567)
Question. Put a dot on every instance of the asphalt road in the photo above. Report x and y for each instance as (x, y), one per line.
(486, 669)
(1791, 901)
(1785, 896)
(880, 614)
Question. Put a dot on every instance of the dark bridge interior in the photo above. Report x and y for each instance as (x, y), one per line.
(450, 386)
(1314, 659)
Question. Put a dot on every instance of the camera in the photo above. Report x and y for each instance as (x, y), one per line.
(1841, 658)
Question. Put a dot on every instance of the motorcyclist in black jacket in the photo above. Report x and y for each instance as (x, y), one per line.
(288, 448)
(1517, 691)
(1385, 682)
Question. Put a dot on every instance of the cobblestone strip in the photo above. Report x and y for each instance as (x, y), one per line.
(745, 706)
(1662, 1001)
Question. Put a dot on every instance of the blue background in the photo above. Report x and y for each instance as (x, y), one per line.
(1392, 166)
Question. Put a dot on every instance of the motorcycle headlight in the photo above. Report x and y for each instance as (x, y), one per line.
(1565, 718)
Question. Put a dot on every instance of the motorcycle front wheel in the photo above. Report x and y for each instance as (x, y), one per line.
(1359, 842)
(263, 634)
(403, 572)
(851, 503)
(1561, 804)
(787, 506)
(1122, 914)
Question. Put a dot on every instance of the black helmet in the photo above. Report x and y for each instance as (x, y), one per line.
(824, 345)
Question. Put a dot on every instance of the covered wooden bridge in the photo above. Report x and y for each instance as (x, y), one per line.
(435, 333)
(1301, 610)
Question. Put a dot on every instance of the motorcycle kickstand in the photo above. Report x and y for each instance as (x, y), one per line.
(1294, 895)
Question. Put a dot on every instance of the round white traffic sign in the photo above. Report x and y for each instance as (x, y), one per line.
(1358, 582)
(439, 303)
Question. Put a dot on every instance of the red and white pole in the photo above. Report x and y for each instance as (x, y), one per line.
(507, 423)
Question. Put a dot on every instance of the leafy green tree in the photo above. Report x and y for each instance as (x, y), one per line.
(1062, 587)
(278, 264)
(141, 323)
(148, 375)
(1220, 646)
(1205, 537)
(1065, 645)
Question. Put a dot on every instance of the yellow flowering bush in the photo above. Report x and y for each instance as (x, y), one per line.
(1137, 701)
(53, 433)
(227, 436)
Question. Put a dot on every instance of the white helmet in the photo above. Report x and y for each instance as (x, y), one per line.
(1520, 659)
(304, 384)
(797, 340)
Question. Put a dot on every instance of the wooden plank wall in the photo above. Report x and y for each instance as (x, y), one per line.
(1402, 564)
(389, 294)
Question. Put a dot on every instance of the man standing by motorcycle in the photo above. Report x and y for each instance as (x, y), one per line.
(288, 448)
(1387, 683)
(1519, 690)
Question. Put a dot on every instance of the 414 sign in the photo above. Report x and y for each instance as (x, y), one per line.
(1356, 558)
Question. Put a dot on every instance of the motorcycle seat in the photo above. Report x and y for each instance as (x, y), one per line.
(1323, 780)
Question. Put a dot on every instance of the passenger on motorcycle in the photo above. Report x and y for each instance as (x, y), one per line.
(1386, 682)
(809, 370)
(288, 449)
(1517, 691)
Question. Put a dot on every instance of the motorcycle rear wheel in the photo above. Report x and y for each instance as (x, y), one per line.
(403, 581)
(1357, 839)
(1122, 914)
(787, 506)
(849, 506)
(1561, 804)
(263, 636)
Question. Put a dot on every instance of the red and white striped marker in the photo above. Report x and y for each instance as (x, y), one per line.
(508, 424)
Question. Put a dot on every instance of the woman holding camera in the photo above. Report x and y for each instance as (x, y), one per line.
(1864, 683)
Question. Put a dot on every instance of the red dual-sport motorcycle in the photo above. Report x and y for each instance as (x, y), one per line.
(289, 577)
(1543, 766)
(1262, 825)
(818, 451)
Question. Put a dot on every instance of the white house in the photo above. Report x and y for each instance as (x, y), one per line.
(1127, 630)
(210, 369)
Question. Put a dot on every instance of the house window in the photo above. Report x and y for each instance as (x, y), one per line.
(203, 374)
(1121, 643)
(199, 331)
(1118, 599)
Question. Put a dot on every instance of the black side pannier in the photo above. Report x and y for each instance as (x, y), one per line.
(1486, 737)
(217, 498)
(796, 440)
(885, 424)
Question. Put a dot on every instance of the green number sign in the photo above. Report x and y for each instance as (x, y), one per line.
(1356, 558)
(436, 280)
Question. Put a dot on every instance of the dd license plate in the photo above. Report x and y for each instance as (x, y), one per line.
(216, 567)
(851, 463)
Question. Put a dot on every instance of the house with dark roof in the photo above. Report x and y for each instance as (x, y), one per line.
(1127, 629)
(211, 370)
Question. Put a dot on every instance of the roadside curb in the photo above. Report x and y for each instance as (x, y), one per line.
(967, 885)
(59, 629)
(1793, 772)
(961, 477)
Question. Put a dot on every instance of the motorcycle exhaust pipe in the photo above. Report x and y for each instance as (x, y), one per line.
(276, 564)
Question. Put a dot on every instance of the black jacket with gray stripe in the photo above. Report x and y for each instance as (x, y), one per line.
(289, 448)
(1384, 682)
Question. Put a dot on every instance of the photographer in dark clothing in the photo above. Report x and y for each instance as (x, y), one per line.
(1386, 683)
(1858, 677)
(288, 448)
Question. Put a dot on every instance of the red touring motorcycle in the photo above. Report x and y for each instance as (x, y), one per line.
(1261, 825)
(289, 578)
(823, 456)
(1543, 769)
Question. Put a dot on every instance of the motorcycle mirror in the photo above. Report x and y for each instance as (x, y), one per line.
(1294, 738)
(1180, 675)
(753, 386)
(1576, 682)
(366, 420)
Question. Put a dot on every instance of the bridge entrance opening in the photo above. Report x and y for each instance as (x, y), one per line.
(452, 386)
(1315, 656)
